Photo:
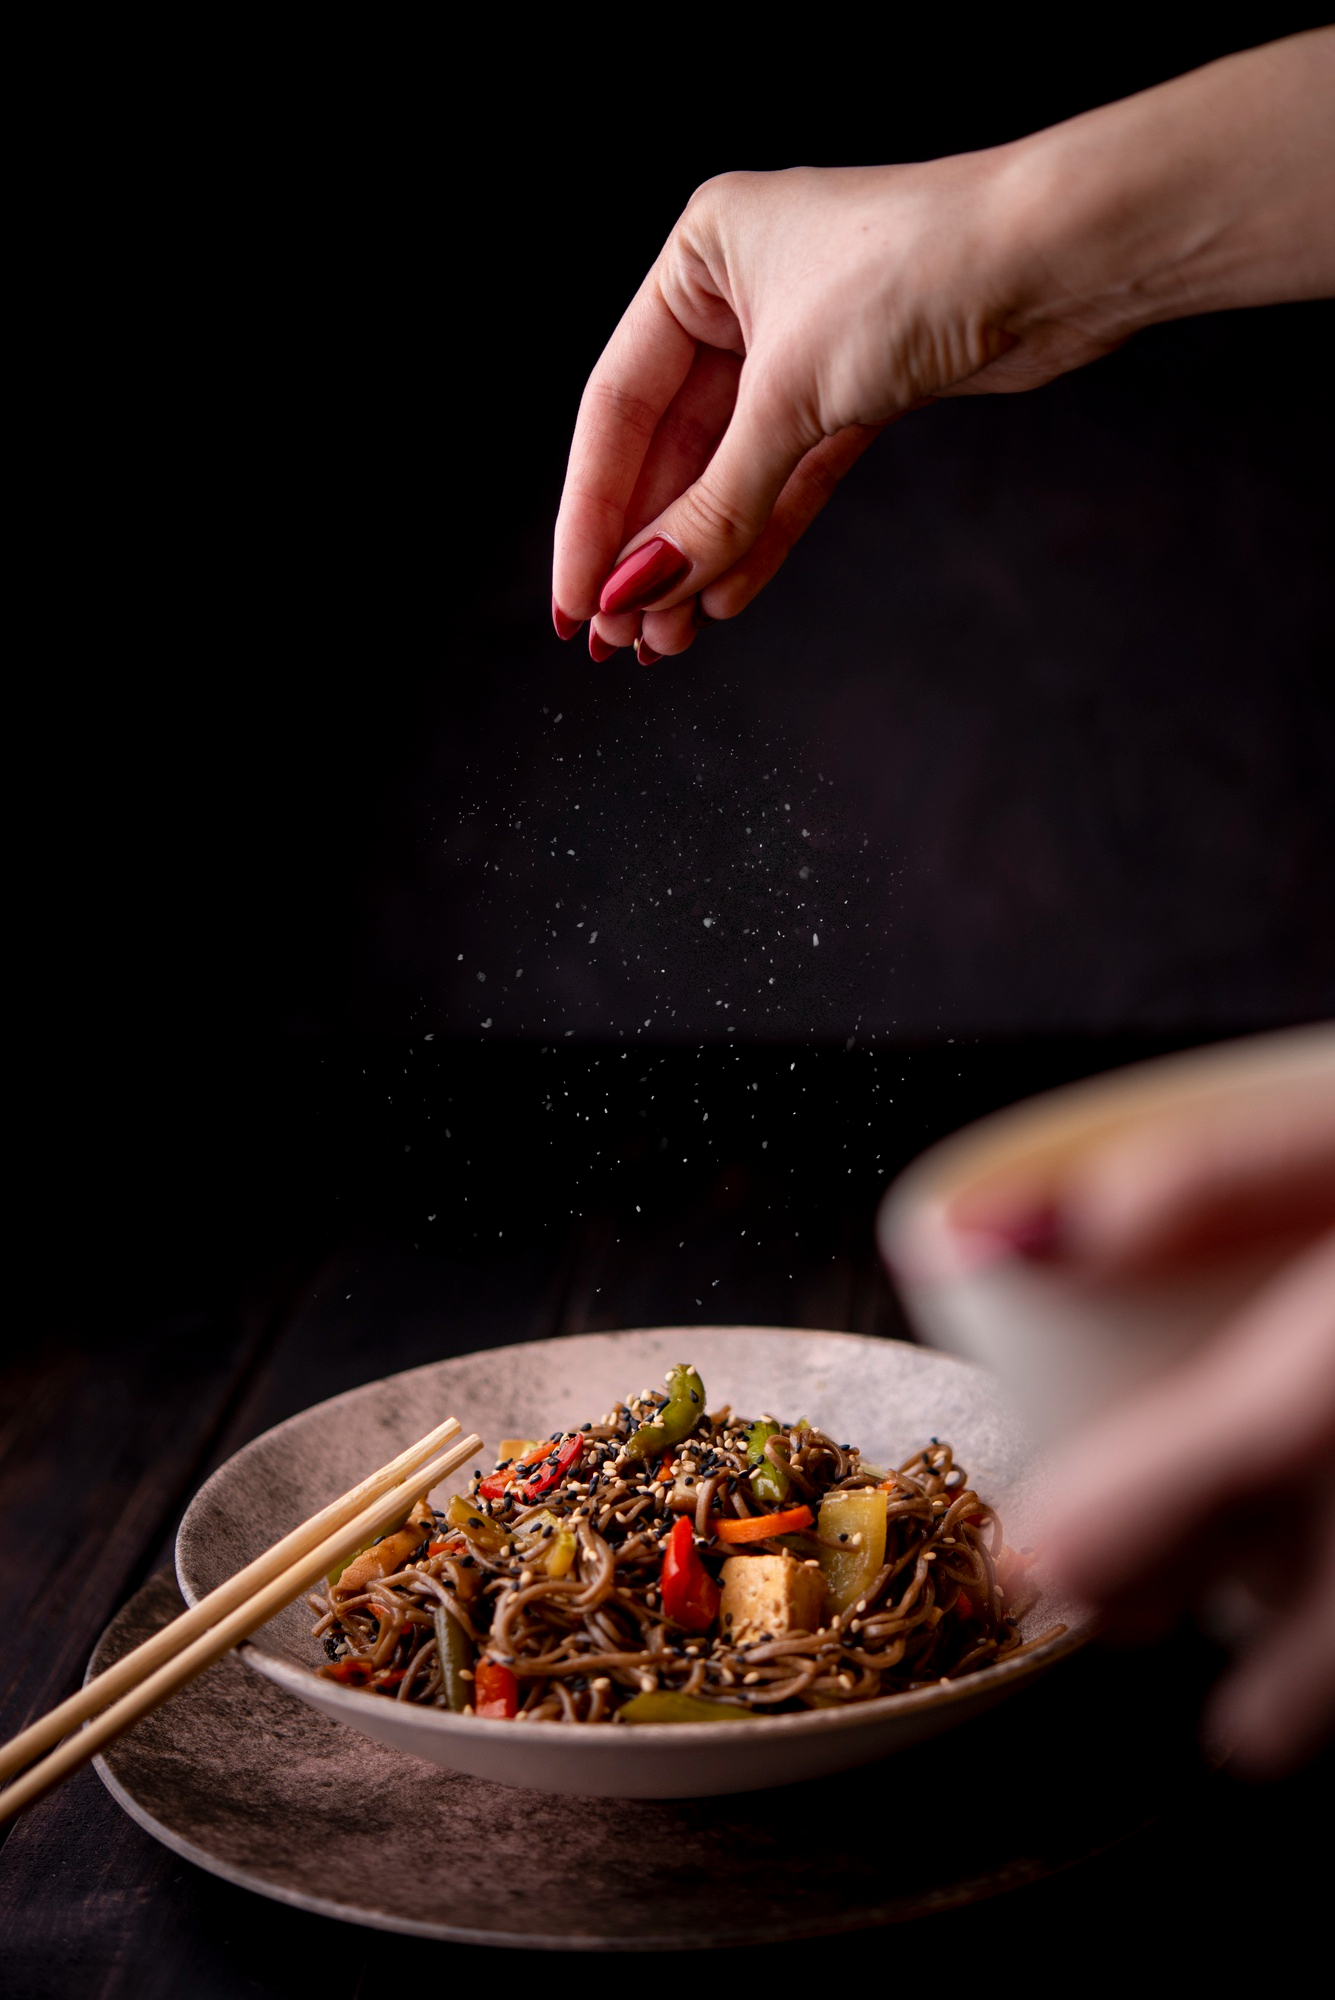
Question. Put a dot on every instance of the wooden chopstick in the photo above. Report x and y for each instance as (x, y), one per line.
(164, 1645)
(164, 1663)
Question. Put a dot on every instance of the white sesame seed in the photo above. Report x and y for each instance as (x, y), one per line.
(749, 1680)
(602, 1683)
(648, 1683)
(861, 1604)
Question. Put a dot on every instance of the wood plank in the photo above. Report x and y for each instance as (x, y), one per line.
(103, 1439)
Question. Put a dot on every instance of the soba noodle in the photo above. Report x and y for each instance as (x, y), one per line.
(563, 1590)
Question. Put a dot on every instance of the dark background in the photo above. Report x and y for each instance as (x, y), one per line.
(1042, 707)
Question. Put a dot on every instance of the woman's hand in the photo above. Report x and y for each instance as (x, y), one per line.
(791, 316)
(1225, 1465)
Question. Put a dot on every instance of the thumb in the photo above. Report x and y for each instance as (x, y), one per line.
(719, 518)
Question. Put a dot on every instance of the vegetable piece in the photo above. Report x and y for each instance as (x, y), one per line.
(666, 1705)
(555, 1550)
(852, 1568)
(676, 1420)
(769, 1482)
(498, 1482)
(766, 1596)
(558, 1461)
(496, 1691)
(352, 1673)
(487, 1534)
(690, 1594)
(560, 1553)
(382, 1557)
(759, 1527)
(455, 1651)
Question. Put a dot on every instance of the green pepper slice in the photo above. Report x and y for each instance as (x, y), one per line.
(770, 1484)
(455, 1650)
(676, 1420)
(487, 1533)
(664, 1705)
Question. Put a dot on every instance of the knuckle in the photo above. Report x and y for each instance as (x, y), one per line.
(616, 410)
(709, 520)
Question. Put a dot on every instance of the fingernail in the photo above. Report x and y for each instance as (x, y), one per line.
(648, 573)
(599, 649)
(646, 655)
(566, 628)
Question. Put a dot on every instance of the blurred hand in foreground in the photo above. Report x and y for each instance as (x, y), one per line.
(791, 316)
(1224, 1466)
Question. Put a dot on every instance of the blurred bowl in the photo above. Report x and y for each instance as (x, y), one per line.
(1062, 1345)
(885, 1396)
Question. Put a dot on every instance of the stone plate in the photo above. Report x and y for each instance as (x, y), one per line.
(254, 1786)
(883, 1395)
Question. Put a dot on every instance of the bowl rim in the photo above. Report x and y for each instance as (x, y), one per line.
(304, 1681)
(1058, 1125)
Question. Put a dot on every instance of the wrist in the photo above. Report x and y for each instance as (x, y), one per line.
(1208, 192)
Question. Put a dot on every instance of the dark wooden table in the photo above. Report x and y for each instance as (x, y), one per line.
(135, 1390)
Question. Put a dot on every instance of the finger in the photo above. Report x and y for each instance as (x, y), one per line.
(808, 489)
(1179, 1185)
(1222, 1174)
(640, 371)
(718, 519)
(1279, 1704)
(686, 437)
(1254, 1408)
(667, 634)
(613, 632)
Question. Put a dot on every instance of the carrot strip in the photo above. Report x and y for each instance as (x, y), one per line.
(759, 1526)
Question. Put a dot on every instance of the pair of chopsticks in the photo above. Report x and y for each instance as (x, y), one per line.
(164, 1663)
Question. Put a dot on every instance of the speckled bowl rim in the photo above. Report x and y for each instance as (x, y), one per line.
(602, 1743)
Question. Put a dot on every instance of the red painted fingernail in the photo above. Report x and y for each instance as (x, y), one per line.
(566, 628)
(599, 649)
(647, 574)
(646, 655)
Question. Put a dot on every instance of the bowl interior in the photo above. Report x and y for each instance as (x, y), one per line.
(885, 1396)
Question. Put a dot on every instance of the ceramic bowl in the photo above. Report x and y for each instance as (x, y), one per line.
(885, 1396)
(1060, 1346)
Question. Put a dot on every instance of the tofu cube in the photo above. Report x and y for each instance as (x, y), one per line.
(765, 1596)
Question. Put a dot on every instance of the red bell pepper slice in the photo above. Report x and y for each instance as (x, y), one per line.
(567, 1456)
(690, 1594)
(497, 1483)
(352, 1673)
(495, 1690)
(757, 1527)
